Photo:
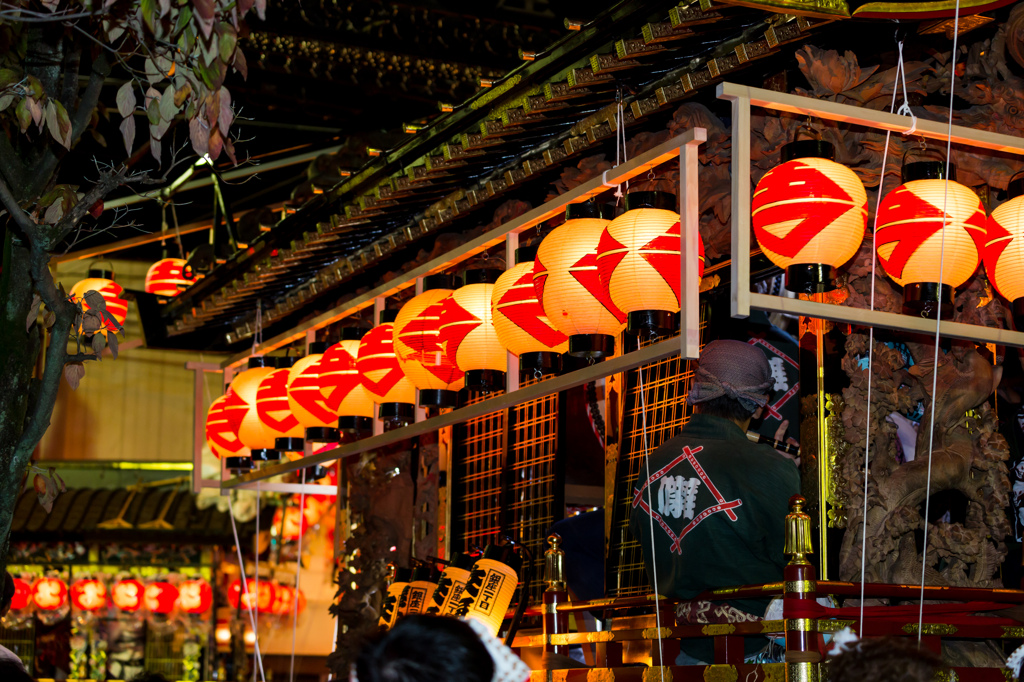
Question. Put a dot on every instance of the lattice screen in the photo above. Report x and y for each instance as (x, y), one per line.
(666, 384)
(517, 490)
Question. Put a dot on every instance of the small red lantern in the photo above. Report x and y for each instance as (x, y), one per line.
(809, 215)
(308, 396)
(49, 594)
(160, 597)
(467, 333)
(102, 282)
(382, 375)
(266, 594)
(223, 420)
(1004, 252)
(348, 397)
(284, 600)
(127, 595)
(195, 596)
(251, 431)
(166, 277)
(275, 413)
(22, 594)
(89, 594)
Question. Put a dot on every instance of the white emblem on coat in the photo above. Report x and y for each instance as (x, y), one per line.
(779, 374)
(677, 496)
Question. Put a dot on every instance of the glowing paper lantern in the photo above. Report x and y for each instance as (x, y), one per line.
(253, 434)
(398, 586)
(569, 288)
(274, 411)
(492, 583)
(467, 334)
(638, 261)
(88, 594)
(809, 215)
(223, 420)
(49, 593)
(102, 282)
(349, 398)
(519, 319)
(911, 233)
(308, 396)
(450, 586)
(22, 594)
(1004, 252)
(262, 604)
(421, 590)
(285, 601)
(382, 375)
(160, 597)
(127, 595)
(195, 596)
(417, 344)
(166, 277)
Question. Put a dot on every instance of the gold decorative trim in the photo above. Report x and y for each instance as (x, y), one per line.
(770, 587)
(600, 675)
(658, 674)
(494, 93)
(656, 633)
(773, 626)
(1013, 632)
(801, 586)
(721, 673)
(930, 629)
(824, 9)
(945, 675)
(774, 672)
(802, 672)
(833, 625)
(802, 625)
(719, 629)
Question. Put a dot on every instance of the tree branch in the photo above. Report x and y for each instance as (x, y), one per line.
(21, 218)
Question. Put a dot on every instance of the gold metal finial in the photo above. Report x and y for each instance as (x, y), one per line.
(798, 532)
(572, 24)
(446, 107)
(527, 55)
(554, 564)
(392, 572)
(487, 82)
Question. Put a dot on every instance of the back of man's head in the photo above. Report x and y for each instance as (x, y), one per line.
(12, 672)
(732, 380)
(886, 659)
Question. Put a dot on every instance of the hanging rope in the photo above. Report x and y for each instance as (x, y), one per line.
(256, 551)
(938, 318)
(650, 517)
(298, 572)
(258, 662)
(871, 331)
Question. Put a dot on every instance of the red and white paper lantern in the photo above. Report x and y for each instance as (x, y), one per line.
(348, 397)
(417, 344)
(382, 374)
(467, 334)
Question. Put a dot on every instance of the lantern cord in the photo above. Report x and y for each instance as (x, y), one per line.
(245, 588)
(256, 552)
(904, 110)
(298, 572)
(257, 337)
(650, 517)
(177, 229)
(938, 318)
(871, 347)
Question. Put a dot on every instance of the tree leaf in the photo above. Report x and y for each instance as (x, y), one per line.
(157, 131)
(91, 322)
(49, 318)
(226, 113)
(33, 312)
(184, 16)
(43, 492)
(240, 64)
(54, 212)
(126, 99)
(50, 113)
(6, 101)
(64, 124)
(73, 373)
(98, 343)
(8, 77)
(36, 110)
(216, 144)
(205, 8)
(200, 136)
(167, 106)
(153, 74)
(153, 111)
(165, 7)
(58, 481)
(112, 344)
(23, 114)
(127, 128)
(95, 300)
(228, 41)
(154, 145)
(261, 9)
(180, 95)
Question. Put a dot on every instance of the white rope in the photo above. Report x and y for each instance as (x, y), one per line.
(871, 345)
(938, 319)
(298, 572)
(256, 551)
(904, 110)
(650, 517)
(245, 588)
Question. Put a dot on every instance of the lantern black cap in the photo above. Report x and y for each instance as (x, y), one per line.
(463, 561)
(525, 253)
(928, 170)
(102, 273)
(261, 361)
(808, 149)
(402, 575)
(285, 361)
(353, 333)
(589, 209)
(481, 276)
(432, 282)
(506, 554)
(317, 348)
(425, 572)
(662, 200)
(387, 316)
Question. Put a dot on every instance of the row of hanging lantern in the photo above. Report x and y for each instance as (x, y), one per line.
(588, 279)
(50, 593)
(268, 597)
(810, 216)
